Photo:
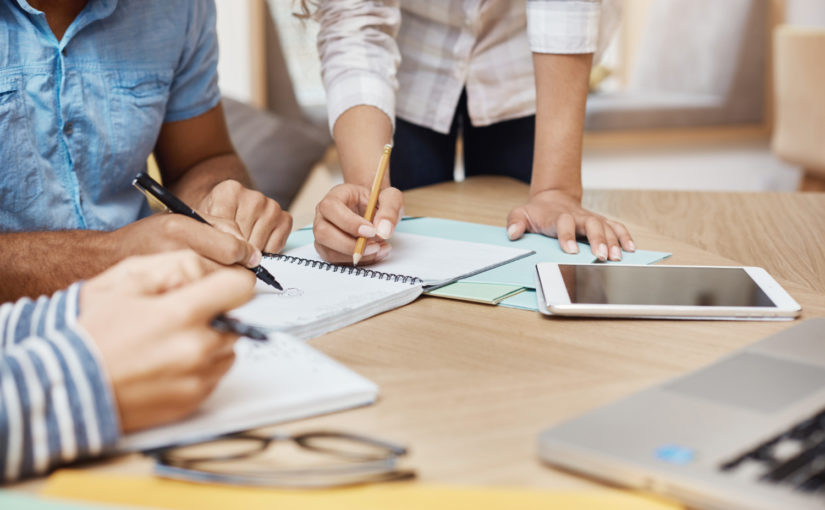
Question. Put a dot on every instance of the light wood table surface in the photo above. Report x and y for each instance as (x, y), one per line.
(468, 387)
(782, 232)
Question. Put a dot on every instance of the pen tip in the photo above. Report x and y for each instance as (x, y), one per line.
(356, 258)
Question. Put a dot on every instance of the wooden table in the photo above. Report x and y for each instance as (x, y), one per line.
(469, 387)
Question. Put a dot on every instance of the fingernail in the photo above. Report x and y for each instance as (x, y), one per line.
(366, 231)
(385, 229)
(382, 254)
(572, 247)
(371, 249)
(631, 246)
(511, 231)
(255, 259)
(602, 251)
(615, 253)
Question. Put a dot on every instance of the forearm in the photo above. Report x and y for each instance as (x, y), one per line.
(53, 412)
(360, 135)
(561, 95)
(37, 263)
(194, 184)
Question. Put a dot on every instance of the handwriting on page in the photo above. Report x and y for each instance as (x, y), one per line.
(289, 292)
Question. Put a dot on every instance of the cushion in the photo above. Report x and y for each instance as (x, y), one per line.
(278, 152)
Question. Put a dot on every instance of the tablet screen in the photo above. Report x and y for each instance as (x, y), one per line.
(662, 285)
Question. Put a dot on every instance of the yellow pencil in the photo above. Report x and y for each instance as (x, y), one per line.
(373, 200)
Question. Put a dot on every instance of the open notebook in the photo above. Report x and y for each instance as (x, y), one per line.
(271, 382)
(320, 297)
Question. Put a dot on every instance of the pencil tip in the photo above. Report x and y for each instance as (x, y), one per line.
(356, 258)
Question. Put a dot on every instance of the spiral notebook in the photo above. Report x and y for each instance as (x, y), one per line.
(319, 297)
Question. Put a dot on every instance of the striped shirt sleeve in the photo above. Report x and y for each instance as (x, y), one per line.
(563, 26)
(359, 54)
(55, 404)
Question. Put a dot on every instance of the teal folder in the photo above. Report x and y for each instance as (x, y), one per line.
(519, 273)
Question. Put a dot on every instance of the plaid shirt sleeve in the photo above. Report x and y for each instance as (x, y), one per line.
(359, 54)
(563, 26)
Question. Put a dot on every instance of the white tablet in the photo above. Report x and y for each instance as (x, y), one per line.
(660, 292)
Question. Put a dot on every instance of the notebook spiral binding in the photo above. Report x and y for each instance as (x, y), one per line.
(356, 271)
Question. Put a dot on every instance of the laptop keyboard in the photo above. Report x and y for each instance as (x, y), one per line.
(794, 458)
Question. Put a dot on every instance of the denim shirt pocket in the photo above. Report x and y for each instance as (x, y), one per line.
(138, 103)
(20, 179)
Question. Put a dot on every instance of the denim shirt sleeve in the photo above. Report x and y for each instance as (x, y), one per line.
(194, 89)
(55, 404)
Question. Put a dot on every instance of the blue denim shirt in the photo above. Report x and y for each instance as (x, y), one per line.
(79, 116)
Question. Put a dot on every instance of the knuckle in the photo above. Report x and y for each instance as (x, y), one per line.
(231, 185)
(170, 226)
(272, 206)
(325, 207)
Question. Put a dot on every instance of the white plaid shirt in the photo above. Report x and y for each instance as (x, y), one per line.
(413, 57)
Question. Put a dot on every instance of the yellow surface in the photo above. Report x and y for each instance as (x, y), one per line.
(154, 492)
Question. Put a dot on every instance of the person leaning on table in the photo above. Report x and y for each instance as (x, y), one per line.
(88, 90)
(461, 66)
(126, 350)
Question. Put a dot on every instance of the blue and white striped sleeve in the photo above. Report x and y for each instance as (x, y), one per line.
(563, 26)
(55, 403)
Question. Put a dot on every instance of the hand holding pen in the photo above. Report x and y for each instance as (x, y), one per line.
(152, 188)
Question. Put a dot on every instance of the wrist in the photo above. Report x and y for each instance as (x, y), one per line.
(574, 192)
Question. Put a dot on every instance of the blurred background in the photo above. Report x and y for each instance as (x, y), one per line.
(689, 95)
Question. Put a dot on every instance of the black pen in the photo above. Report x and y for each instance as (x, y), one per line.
(231, 325)
(152, 187)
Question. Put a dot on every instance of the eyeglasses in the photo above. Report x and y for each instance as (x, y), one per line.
(244, 459)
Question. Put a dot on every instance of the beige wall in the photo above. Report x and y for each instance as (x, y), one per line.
(240, 36)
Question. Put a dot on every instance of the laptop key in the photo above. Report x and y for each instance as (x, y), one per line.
(814, 482)
(797, 464)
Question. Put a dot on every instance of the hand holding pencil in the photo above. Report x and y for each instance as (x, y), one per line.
(361, 243)
(353, 222)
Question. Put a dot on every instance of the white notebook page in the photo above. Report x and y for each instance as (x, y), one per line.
(317, 300)
(271, 382)
(434, 260)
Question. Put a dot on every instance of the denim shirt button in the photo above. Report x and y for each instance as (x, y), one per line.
(68, 129)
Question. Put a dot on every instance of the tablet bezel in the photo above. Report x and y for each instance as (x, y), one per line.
(554, 299)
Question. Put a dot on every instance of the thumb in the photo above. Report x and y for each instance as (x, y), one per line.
(517, 222)
(213, 294)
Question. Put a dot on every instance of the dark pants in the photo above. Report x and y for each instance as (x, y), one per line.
(422, 156)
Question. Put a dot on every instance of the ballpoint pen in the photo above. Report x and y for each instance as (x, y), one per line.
(153, 188)
(232, 325)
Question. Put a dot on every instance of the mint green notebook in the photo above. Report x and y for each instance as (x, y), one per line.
(487, 293)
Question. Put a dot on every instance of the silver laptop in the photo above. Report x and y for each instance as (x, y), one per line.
(745, 432)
